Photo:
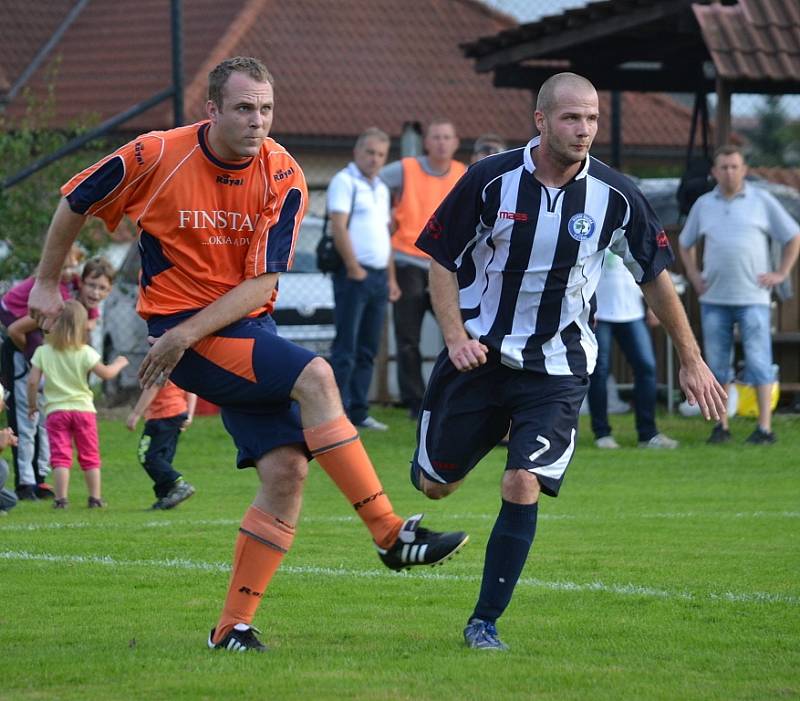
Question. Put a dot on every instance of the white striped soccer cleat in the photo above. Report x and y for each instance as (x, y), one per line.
(419, 546)
(242, 638)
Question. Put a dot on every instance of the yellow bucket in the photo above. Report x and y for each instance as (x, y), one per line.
(747, 404)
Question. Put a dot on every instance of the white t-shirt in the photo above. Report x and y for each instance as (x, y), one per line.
(619, 298)
(369, 214)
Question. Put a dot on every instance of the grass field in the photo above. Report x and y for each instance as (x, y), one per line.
(653, 576)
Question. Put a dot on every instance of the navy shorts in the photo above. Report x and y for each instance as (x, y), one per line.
(248, 371)
(465, 414)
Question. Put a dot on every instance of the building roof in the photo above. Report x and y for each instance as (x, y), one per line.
(339, 66)
(649, 121)
(753, 40)
(784, 176)
(25, 28)
(655, 45)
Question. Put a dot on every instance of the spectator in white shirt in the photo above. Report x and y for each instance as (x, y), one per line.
(621, 315)
(359, 207)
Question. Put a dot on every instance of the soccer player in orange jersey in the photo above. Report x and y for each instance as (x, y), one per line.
(218, 205)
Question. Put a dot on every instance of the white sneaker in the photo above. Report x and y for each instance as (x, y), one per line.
(607, 442)
(660, 442)
(373, 424)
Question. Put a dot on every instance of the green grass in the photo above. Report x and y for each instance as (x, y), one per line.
(653, 576)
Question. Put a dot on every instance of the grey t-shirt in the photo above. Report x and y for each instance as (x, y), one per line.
(737, 233)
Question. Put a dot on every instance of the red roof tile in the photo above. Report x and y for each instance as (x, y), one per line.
(25, 28)
(339, 67)
(648, 120)
(753, 40)
(784, 176)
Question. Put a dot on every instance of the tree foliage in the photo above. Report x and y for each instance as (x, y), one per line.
(27, 207)
(775, 139)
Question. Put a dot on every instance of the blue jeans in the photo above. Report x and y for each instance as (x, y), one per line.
(409, 314)
(8, 499)
(753, 320)
(359, 314)
(636, 345)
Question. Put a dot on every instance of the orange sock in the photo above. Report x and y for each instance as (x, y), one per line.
(337, 447)
(262, 542)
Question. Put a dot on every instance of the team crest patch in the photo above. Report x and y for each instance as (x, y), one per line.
(581, 227)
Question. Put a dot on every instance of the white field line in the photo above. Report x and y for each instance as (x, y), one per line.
(594, 518)
(534, 583)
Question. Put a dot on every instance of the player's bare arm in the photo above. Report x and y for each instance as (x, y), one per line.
(465, 353)
(236, 304)
(45, 302)
(695, 378)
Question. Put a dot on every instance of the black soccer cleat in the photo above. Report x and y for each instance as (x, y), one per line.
(242, 638)
(180, 492)
(419, 546)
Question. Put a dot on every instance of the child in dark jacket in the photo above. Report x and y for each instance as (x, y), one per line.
(168, 411)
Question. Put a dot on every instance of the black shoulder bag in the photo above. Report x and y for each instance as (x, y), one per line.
(328, 258)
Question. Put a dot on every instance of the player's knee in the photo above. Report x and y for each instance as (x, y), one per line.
(436, 490)
(283, 470)
(520, 487)
(315, 382)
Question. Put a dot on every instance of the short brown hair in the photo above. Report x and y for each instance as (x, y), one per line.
(372, 133)
(69, 330)
(238, 64)
(728, 150)
(97, 266)
(440, 121)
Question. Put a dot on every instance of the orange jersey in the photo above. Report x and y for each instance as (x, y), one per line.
(170, 401)
(205, 225)
(422, 194)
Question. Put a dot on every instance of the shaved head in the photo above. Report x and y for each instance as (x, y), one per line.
(547, 98)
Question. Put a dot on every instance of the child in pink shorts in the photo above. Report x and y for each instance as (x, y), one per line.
(65, 361)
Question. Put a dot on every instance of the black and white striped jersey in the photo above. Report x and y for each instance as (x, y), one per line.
(528, 257)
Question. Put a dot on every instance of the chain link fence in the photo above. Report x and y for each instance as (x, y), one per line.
(769, 128)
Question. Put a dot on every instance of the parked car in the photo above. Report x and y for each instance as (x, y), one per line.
(662, 193)
(303, 312)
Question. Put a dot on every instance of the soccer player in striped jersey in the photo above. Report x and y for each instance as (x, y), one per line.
(517, 249)
(218, 205)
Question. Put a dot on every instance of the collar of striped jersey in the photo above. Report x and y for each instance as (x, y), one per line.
(530, 166)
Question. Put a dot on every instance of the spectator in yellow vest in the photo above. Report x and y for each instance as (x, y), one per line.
(418, 185)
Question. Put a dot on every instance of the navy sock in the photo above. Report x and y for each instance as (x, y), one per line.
(506, 552)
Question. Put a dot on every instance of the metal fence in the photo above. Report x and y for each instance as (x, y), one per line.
(768, 126)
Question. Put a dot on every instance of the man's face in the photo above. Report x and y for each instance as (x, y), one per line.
(569, 129)
(487, 149)
(243, 121)
(729, 171)
(441, 142)
(371, 155)
(94, 290)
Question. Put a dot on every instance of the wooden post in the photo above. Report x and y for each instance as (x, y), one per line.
(723, 113)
